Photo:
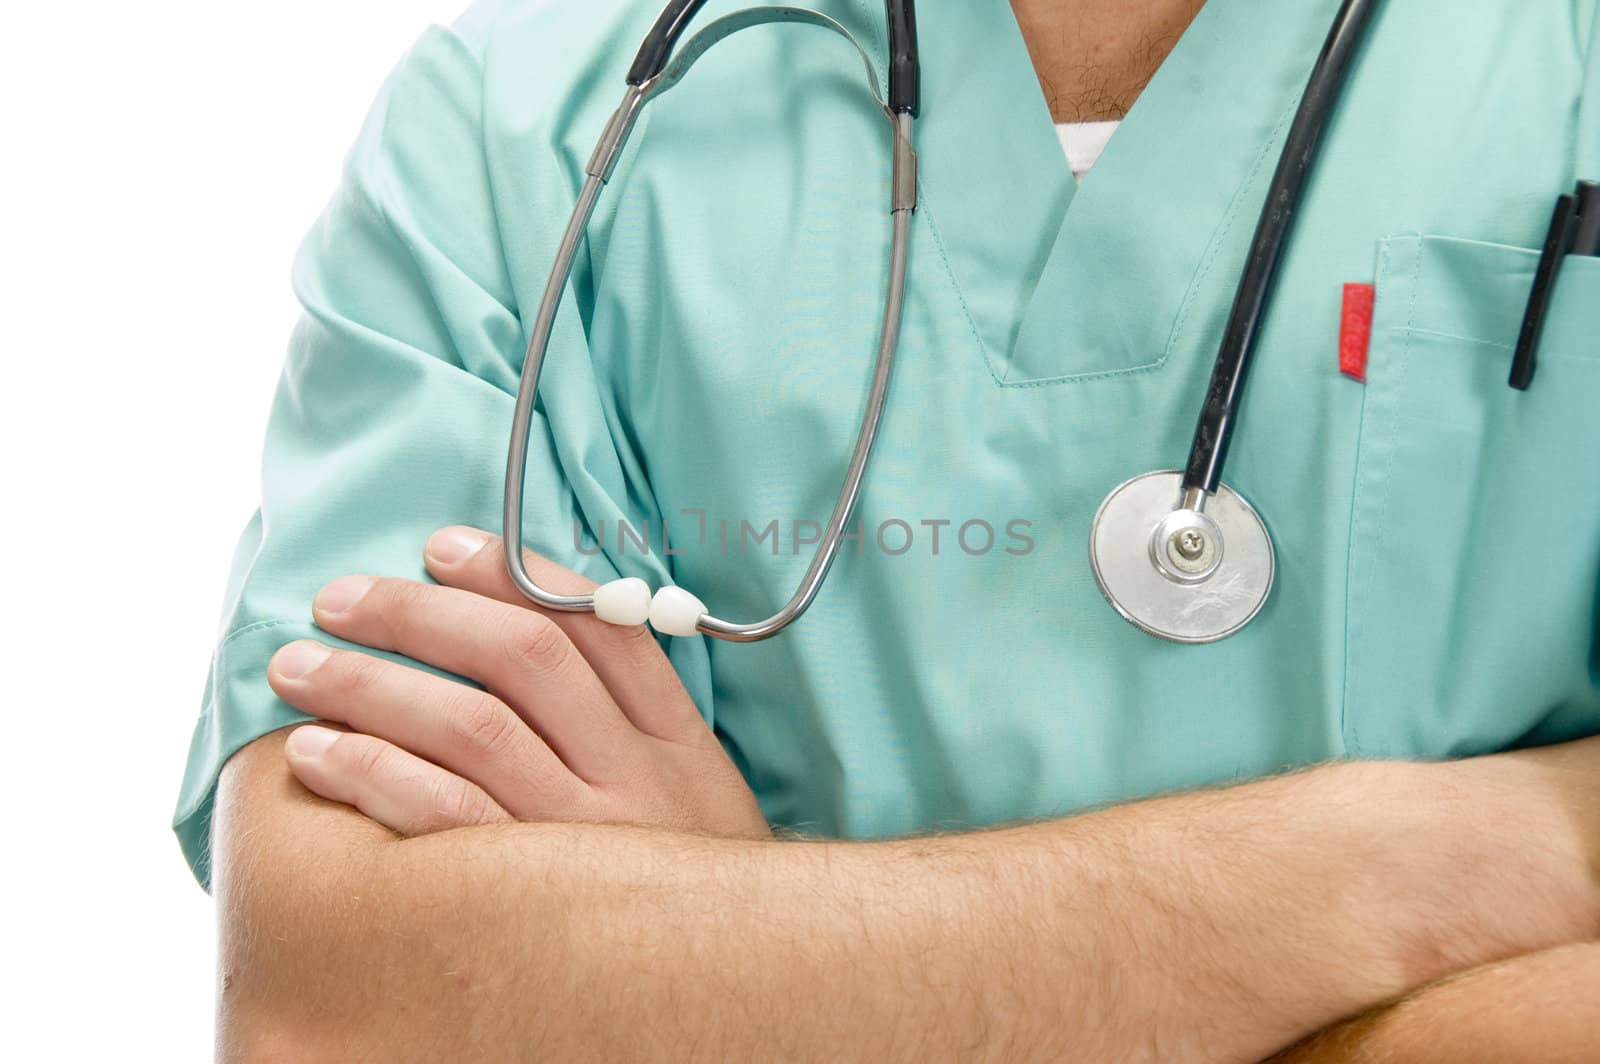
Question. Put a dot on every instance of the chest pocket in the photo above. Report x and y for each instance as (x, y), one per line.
(1474, 570)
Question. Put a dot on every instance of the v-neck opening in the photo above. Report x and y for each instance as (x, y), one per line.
(1065, 280)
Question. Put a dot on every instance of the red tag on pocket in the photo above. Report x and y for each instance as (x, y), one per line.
(1355, 330)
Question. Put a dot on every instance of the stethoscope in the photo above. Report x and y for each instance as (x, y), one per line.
(1178, 553)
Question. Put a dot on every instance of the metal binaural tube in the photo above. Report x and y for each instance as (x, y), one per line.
(522, 418)
(871, 420)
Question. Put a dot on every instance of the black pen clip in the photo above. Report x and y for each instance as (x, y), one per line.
(1556, 245)
(1576, 221)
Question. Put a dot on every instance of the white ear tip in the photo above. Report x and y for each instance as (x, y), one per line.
(625, 602)
(674, 611)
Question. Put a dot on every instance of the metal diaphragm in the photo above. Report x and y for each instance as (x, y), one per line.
(1188, 575)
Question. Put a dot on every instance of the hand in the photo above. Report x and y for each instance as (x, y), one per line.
(579, 720)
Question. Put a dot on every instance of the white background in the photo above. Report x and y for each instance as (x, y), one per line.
(159, 162)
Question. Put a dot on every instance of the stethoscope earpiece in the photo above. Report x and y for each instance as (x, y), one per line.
(624, 602)
(628, 603)
(674, 611)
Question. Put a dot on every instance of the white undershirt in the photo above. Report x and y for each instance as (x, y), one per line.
(1083, 142)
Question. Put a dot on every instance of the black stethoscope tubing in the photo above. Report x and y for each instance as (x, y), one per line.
(1224, 395)
(905, 67)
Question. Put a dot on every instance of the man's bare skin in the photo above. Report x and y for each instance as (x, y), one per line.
(1094, 57)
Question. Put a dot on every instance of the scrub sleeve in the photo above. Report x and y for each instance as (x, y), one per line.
(391, 415)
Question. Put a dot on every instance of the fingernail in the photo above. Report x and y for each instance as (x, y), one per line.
(454, 545)
(309, 741)
(298, 658)
(343, 593)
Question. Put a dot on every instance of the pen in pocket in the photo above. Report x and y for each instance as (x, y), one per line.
(1574, 230)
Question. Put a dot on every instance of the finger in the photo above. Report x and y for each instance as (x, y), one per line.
(459, 728)
(397, 789)
(519, 655)
(627, 659)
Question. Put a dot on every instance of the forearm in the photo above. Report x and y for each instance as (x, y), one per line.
(1218, 925)
(1543, 1006)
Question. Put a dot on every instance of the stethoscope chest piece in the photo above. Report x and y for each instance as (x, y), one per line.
(1188, 567)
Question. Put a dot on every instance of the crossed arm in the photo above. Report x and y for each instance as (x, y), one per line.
(567, 866)
(1544, 1008)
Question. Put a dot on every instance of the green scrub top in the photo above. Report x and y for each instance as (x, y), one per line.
(1437, 533)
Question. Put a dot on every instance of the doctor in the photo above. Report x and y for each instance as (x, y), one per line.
(614, 890)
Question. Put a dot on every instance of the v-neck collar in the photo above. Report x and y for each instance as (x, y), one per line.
(1064, 282)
